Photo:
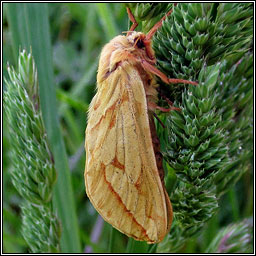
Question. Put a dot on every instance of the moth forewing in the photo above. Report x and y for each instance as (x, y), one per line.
(121, 175)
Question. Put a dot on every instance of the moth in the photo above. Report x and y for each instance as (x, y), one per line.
(123, 170)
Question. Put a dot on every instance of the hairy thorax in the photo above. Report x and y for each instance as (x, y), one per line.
(129, 50)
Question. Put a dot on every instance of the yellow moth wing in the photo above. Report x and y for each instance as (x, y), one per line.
(121, 175)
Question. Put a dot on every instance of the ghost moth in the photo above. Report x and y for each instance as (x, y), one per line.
(123, 171)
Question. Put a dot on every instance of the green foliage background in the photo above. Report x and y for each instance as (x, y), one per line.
(199, 36)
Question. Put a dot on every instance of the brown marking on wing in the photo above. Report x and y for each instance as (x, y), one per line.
(117, 164)
(109, 213)
(113, 121)
(138, 184)
(96, 125)
(143, 230)
(103, 116)
(125, 97)
(97, 104)
(150, 217)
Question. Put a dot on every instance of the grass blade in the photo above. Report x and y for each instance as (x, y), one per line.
(30, 28)
(106, 16)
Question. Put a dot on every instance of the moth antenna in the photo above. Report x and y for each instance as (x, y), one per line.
(132, 19)
(158, 25)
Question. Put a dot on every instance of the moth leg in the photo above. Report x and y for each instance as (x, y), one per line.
(167, 109)
(132, 19)
(153, 106)
(170, 103)
(163, 110)
(147, 66)
(157, 25)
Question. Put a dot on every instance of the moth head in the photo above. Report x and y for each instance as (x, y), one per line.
(140, 43)
(134, 38)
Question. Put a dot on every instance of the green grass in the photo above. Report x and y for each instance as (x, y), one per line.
(66, 40)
